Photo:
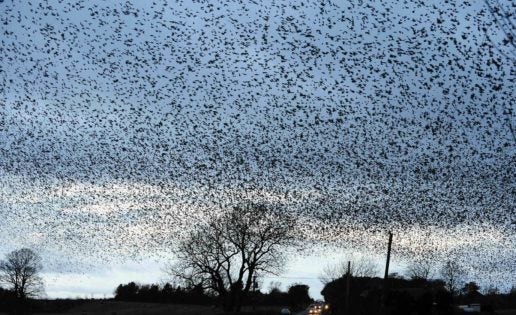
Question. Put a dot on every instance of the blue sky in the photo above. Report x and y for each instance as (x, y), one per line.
(123, 123)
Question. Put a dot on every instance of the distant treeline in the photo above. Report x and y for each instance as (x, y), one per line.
(162, 294)
(296, 296)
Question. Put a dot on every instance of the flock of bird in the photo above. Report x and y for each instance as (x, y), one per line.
(124, 123)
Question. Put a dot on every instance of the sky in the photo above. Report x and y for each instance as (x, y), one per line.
(124, 123)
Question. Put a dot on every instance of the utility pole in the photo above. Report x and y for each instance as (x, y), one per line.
(386, 276)
(347, 287)
(388, 258)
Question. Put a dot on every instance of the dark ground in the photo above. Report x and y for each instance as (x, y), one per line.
(109, 307)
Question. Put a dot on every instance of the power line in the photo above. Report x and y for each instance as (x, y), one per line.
(279, 277)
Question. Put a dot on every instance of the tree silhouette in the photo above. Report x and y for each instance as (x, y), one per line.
(471, 288)
(420, 269)
(20, 272)
(452, 273)
(360, 267)
(224, 254)
(298, 296)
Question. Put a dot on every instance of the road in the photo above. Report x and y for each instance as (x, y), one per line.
(305, 312)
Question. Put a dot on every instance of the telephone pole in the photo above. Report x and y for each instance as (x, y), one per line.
(386, 275)
(347, 287)
(388, 258)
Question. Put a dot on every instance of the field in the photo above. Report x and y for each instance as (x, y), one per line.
(134, 308)
(110, 307)
(137, 308)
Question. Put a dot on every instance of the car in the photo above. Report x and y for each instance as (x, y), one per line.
(285, 311)
(314, 309)
(319, 308)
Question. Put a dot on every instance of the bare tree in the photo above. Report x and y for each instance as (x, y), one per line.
(20, 272)
(360, 267)
(420, 269)
(452, 274)
(225, 254)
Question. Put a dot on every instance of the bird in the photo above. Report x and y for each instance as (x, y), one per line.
(123, 123)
